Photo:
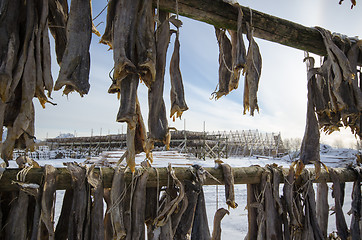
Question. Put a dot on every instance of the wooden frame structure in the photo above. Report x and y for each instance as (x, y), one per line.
(267, 27)
(242, 175)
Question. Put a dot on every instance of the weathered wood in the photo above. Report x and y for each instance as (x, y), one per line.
(270, 28)
(242, 175)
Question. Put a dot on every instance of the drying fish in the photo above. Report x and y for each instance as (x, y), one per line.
(288, 197)
(28, 85)
(356, 206)
(48, 203)
(340, 77)
(322, 207)
(9, 44)
(342, 229)
(127, 110)
(116, 210)
(272, 219)
(61, 230)
(97, 225)
(200, 226)
(145, 43)
(108, 228)
(225, 63)
(124, 25)
(58, 17)
(177, 215)
(238, 51)
(44, 80)
(74, 70)
(157, 120)
(311, 228)
(108, 32)
(172, 204)
(141, 133)
(219, 215)
(152, 196)
(310, 144)
(77, 219)
(139, 206)
(178, 103)
(252, 73)
(192, 190)
(228, 177)
(16, 225)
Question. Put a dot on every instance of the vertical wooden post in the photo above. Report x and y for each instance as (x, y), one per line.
(252, 212)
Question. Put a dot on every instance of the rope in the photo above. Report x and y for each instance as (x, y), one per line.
(157, 17)
(158, 188)
(177, 9)
(21, 175)
(217, 197)
(178, 31)
(100, 12)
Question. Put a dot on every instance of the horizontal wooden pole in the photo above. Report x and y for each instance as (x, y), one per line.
(267, 27)
(242, 175)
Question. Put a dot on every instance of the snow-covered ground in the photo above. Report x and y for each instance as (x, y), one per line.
(234, 226)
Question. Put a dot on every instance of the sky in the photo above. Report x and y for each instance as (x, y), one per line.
(282, 95)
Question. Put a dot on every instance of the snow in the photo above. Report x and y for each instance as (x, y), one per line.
(234, 226)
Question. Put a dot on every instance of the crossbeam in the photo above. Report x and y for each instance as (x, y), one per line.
(267, 27)
(242, 175)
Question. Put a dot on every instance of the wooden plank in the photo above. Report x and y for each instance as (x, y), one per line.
(267, 27)
(242, 175)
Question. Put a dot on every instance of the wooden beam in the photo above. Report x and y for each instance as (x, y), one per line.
(267, 27)
(242, 175)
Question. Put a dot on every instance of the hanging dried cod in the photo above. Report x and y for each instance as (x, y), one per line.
(238, 51)
(309, 151)
(252, 73)
(178, 103)
(232, 57)
(157, 119)
(58, 17)
(337, 98)
(75, 63)
(225, 63)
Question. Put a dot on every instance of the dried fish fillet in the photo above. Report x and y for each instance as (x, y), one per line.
(107, 37)
(157, 120)
(117, 209)
(124, 38)
(342, 229)
(178, 103)
(252, 73)
(219, 215)
(9, 44)
(228, 177)
(139, 206)
(74, 70)
(58, 17)
(238, 51)
(97, 224)
(127, 110)
(310, 143)
(322, 207)
(225, 63)
(200, 226)
(146, 43)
